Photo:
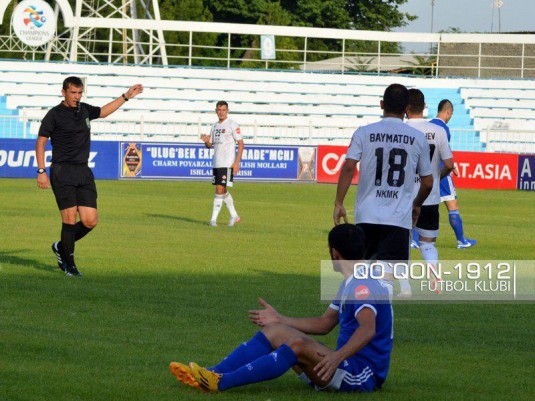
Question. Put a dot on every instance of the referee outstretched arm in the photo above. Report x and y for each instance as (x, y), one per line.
(112, 106)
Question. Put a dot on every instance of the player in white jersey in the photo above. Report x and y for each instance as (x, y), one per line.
(390, 152)
(226, 162)
(428, 222)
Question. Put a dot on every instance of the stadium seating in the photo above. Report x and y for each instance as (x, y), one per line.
(272, 106)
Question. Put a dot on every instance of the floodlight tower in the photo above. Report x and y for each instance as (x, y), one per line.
(497, 4)
(138, 46)
(432, 14)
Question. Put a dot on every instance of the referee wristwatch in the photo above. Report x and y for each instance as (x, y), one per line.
(41, 170)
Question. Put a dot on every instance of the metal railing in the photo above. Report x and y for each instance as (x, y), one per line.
(475, 55)
(314, 133)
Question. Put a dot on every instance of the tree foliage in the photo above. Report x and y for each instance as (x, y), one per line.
(381, 15)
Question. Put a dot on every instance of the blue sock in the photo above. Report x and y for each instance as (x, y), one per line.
(457, 224)
(415, 236)
(246, 352)
(267, 367)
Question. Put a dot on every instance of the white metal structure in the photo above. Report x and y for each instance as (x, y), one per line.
(148, 34)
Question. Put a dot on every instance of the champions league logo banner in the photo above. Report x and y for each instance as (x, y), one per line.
(194, 161)
(34, 22)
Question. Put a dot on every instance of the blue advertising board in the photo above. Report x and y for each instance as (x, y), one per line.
(526, 172)
(194, 161)
(17, 158)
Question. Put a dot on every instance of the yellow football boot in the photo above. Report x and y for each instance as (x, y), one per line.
(205, 378)
(183, 374)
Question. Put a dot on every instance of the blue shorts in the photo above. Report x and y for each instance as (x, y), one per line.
(447, 189)
(351, 376)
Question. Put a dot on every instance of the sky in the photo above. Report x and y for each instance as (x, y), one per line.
(470, 15)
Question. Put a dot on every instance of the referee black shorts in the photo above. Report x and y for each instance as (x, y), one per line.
(386, 243)
(73, 185)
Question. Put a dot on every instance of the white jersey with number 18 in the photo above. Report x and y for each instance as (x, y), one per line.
(390, 152)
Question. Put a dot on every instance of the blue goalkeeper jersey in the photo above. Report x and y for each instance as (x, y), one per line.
(354, 295)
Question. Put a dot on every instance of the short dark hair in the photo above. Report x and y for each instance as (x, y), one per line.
(396, 99)
(416, 101)
(348, 240)
(221, 103)
(74, 81)
(444, 105)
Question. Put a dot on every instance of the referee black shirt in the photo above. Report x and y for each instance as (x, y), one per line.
(69, 130)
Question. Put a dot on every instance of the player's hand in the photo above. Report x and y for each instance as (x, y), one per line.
(415, 214)
(455, 172)
(264, 316)
(326, 368)
(134, 91)
(42, 181)
(205, 138)
(235, 168)
(339, 212)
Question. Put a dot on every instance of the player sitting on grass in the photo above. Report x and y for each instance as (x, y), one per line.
(362, 356)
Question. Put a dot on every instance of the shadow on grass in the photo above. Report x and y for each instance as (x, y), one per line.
(11, 258)
(179, 218)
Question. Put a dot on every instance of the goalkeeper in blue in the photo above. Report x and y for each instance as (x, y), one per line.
(361, 360)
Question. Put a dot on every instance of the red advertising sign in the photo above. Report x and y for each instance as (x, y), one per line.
(330, 161)
(486, 170)
(476, 169)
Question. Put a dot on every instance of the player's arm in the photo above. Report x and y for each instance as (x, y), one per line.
(112, 106)
(447, 168)
(446, 156)
(344, 182)
(426, 180)
(42, 179)
(426, 185)
(207, 140)
(362, 336)
(309, 325)
(236, 165)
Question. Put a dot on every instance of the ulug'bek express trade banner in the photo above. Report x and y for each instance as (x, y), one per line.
(194, 161)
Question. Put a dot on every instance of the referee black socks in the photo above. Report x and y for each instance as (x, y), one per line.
(67, 242)
(80, 231)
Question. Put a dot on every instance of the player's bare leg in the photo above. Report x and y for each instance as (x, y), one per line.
(309, 351)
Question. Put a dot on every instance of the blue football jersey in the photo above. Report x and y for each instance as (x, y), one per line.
(442, 124)
(355, 294)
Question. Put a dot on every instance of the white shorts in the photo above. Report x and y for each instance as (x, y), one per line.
(447, 189)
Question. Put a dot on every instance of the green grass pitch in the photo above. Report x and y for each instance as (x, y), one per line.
(160, 285)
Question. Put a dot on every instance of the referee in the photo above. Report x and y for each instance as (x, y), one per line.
(69, 129)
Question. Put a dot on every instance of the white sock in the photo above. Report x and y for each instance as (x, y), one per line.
(229, 202)
(429, 253)
(401, 270)
(218, 202)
